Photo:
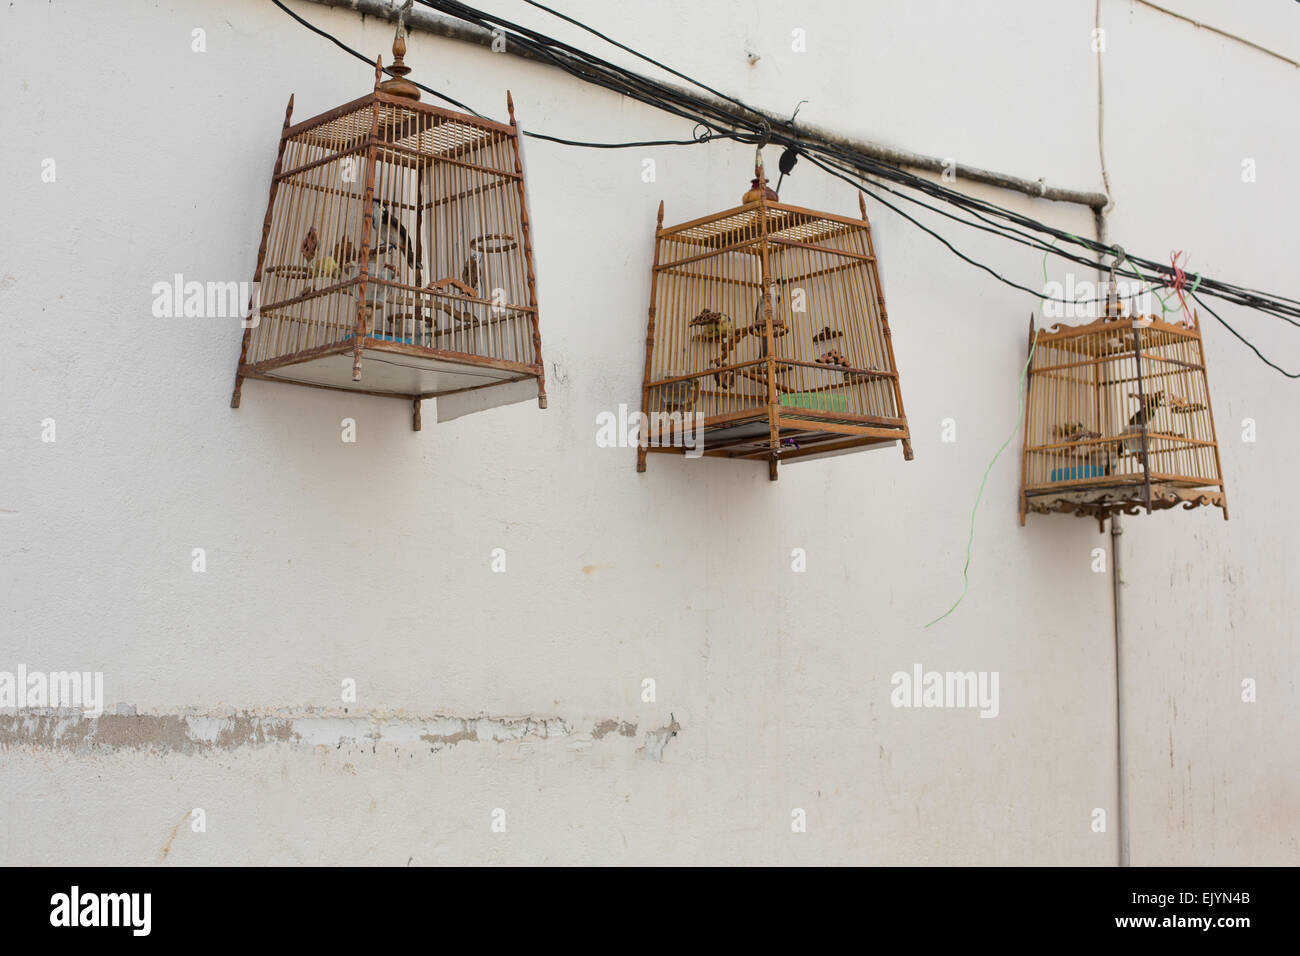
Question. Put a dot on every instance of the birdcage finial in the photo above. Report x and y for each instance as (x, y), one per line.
(399, 85)
(759, 189)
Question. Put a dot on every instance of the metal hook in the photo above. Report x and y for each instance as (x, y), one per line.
(763, 140)
(1117, 257)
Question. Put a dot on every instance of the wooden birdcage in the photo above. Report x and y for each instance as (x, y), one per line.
(768, 338)
(1118, 419)
(395, 257)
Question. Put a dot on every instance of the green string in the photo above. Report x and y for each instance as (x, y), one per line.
(1020, 413)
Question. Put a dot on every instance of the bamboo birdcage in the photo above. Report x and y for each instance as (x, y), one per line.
(395, 257)
(1118, 420)
(768, 338)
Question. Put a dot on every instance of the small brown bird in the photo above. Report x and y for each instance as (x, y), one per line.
(309, 244)
(1182, 406)
(344, 251)
(470, 274)
(1067, 431)
(725, 378)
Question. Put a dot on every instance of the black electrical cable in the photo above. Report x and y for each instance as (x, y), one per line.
(653, 62)
(948, 245)
(365, 59)
(837, 160)
(580, 63)
(710, 134)
(1013, 235)
(1245, 341)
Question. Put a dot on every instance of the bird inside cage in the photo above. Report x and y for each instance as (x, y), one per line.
(1139, 423)
(392, 240)
(1182, 406)
(472, 274)
(391, 248)
(710, 325)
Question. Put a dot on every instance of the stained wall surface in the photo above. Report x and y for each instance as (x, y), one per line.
(524, 691)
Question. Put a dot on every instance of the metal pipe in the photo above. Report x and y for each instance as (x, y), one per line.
(421, 18)
(1116, 531)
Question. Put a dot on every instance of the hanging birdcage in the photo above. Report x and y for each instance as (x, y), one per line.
(1118, 420)
(768, 338)
(395, 257)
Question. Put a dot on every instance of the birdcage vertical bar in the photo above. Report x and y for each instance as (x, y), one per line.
(765, 270)
(884, 327)
(528, 253)
(1030, 394)
(261, 253)
(367, 224)
(1209, 414)
(1143, 415)
(643, 434)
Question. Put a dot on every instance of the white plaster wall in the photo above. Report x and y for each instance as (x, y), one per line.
(371, 560)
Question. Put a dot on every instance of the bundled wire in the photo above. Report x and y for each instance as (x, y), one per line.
(750, 125)
(725, 117)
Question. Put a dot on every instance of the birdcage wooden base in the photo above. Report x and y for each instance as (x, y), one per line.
(390, 370)
(1105, 501)
(797, 439)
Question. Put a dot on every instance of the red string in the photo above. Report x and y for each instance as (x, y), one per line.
(1179, 285)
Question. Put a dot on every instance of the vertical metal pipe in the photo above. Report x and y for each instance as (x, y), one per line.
(1117, 598)
(1116, 531)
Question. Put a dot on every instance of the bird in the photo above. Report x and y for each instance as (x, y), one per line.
(1139, 422)
(759, 327)
(325, 267)
(724, 377)
(711, 325)
(473, 269)
(786, 164)
(310, 243)
(1076, 433)
(391, 235)
(1182, 406)
(1150, 402)
(1067, 431)
(344, 251)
